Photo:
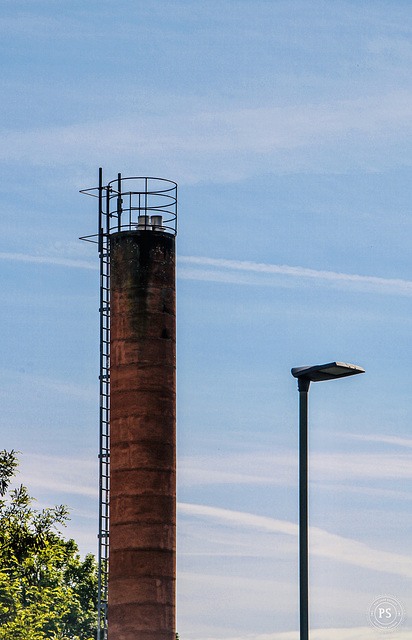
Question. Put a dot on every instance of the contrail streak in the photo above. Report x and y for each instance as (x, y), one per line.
(267, 274)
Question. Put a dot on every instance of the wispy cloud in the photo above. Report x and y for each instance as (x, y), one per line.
(353, 466)
(255, 273)
(323, 544)
(28, 25)
(76, 475)
(354, 633)
(59, 475)
(213, 595)
(247, 273)
(250, 468)
(55, 260)
(280, 468)
(391, 494)
(234, 143)
(40, 383)
(239, 518)
(381, 438)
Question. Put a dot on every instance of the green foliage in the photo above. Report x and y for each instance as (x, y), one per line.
(46, 591)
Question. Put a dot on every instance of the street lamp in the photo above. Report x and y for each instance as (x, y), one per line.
(305, 376)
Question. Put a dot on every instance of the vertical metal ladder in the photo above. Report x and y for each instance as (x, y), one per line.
(104, 420)
(149, 196)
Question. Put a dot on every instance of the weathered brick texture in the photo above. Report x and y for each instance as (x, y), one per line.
(142, 571)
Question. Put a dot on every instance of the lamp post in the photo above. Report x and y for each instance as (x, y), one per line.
(305, 376)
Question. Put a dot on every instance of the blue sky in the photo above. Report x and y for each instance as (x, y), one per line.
(287, 126)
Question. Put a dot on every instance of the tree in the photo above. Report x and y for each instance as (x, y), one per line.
(46, 591)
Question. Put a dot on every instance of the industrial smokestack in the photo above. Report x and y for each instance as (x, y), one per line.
(137, 250)
(143, 436)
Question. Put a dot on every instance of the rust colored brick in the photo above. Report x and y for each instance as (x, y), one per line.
(142, 567)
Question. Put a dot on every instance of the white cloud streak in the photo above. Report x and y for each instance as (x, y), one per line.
(381, 438)
(54, 260)
(49, 385)
(281, 468)
(255, 273)
(217, 598)
(77, 476)
(354, 633)
(254, 468)
(247, 273)
(322, 543)
(59, 475)
(229, 144)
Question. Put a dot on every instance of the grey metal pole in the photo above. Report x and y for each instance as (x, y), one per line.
(303, 386)
(306, 375)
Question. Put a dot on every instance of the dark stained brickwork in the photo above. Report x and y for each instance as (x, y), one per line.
(142, 571)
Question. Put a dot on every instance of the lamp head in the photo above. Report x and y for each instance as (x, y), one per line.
(330, 371)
